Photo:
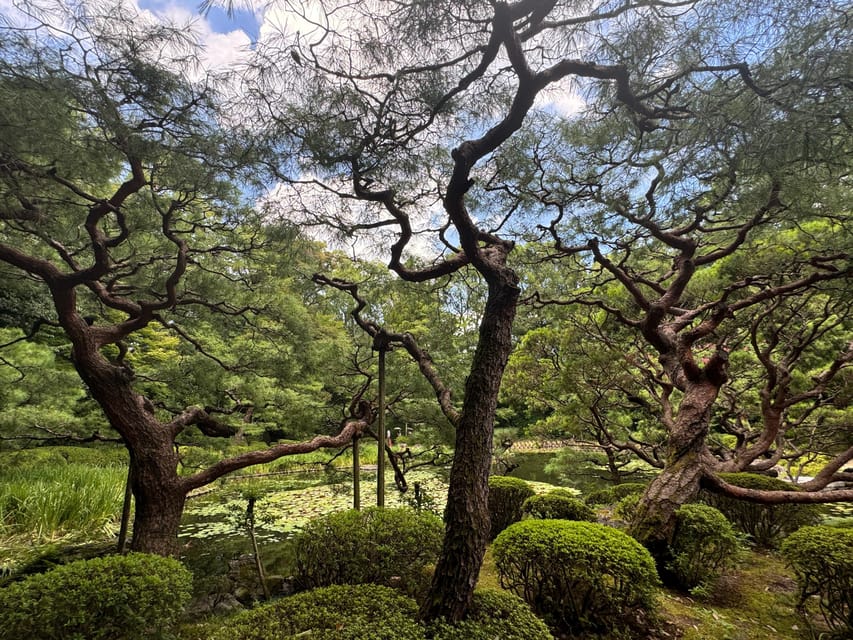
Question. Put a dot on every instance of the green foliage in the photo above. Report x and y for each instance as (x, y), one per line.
(581, 577)
(627, 507)
(382, 546)
(600, 496)
(506, 497)
(375, 612)
(113, 598)
(822, 560)
(50, 500)
(557, 505)
(338, 612)
(494, 614)
(765, 524)
(628, 489)
(703, 544)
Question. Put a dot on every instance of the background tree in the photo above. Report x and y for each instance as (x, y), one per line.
(117, 200)
(747, 167)
(433, 133)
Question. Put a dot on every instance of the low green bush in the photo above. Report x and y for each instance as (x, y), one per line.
(112, 598)
(703, 544)
(506, 497)
(494, 614)
(626, 507)
(765, 524)
(337, 612)
(558, 504)
(822, 560)
(375, 612)
(600, 496)
(392, 547)
(628, 489)
(581, 577)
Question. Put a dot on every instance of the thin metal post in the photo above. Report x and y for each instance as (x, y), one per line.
(356, 475)
(380, 464)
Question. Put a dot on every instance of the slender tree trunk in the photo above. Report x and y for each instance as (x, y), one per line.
(467, 516)
(654, 522)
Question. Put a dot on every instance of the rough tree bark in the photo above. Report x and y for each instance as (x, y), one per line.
(467, 514)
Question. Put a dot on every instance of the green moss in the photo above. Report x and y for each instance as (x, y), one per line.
(756, 599)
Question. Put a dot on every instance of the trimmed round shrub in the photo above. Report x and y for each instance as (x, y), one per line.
(337, 612)
(557, 505)
(822, 560)
(765, 524)
(581, 577)
(600, 496)
(494, 614)
(626, 507)
(703, 544)
(506, 497)
(628, 489)
(112, 598)
(392, 547)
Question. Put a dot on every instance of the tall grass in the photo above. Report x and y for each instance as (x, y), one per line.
(53, 501)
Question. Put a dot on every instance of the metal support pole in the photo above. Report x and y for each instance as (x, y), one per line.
(356, 475)
(380, 463)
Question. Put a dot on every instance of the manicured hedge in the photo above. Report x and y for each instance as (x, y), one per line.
(112, 598)
(506, 497)
(704, 543)
(581, 577)
(374, 612)
(393, 547)
(766, 525)
(337, 612)
(494, 614)
(822, 560)
(558, 504)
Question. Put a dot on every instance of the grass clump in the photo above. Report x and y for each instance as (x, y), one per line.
(45, 503)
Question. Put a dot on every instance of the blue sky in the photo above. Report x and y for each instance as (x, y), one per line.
(218, 19)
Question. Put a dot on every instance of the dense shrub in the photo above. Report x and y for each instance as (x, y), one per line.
(374, 612)
(338, 612)
(383, 546)
(600, 496)
(822, 560)
(626, 507)
(765, 524)
(113, 598)
(581, 577)
(703, 544)
(558, 504)
(628, 489)
(506, 497)
(494, 614)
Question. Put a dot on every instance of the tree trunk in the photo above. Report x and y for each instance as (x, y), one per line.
(654, 521)
(467, 515)
(158, 493)
(159, 499)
